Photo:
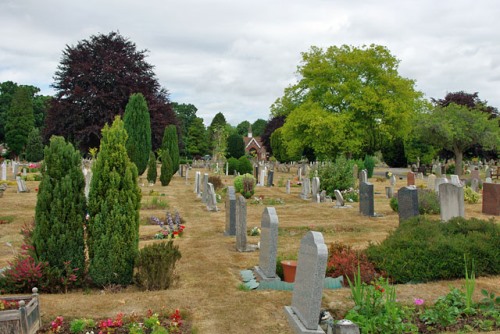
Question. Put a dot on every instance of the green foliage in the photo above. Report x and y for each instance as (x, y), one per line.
(428, 202)
(242, 128)
(138, 126)
(279, 148)
(80, 325)
(245, 185)
(113, 206)
(369, 164)
(152, 173)
(171, 144)
(235, 146)
(166, 168)
(34, 146)
(186, 113)
(198, 138)
(60, 208)
(233, 165)
(20, 120)
(245, 165)
(337, 175)
(155, 203)
(446, 310)
(393, 153)
(156, 264)
(345, 261)
(470, 196)
(393, 203)
(409, 253)
(258, 127)
(216, 181)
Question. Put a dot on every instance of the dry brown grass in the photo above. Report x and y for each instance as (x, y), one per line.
(208, 273)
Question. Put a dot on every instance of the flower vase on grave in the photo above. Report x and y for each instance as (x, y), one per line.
(289, 269)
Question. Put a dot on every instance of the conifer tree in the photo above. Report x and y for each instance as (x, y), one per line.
(166, 168)
(114, 203)
(171, 142)
(19, 121)
(152, 174)
(138, 125)
(34, 146)
(60, 208)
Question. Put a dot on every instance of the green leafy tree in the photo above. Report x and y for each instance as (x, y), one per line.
(245, 165)
(186, 114)
(278, 147)
(198, 138)
(258, 127)
(34, 147)
(457, 128)
(242, 128)
(166, 168)
(137, 124)
(218, 122)
(113, 206)
(219, 137)
(60, 209)
(152, 173)
(235, 146)
(360, 89)
(19, 121)
(171, 144)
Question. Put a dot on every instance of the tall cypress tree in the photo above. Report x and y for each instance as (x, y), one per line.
(19, 121)
(171, 142)
(138, 125)
(152, 174)
(60, 207)
(34, 146)
(166, 168)
(114, 203)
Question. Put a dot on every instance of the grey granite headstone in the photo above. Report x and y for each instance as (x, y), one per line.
(363, 176)
(315, 186)
(306, 188)
(241, 224)
(197, 183)
(389, 192)
(366, 200)
(474, 184)
(322, 196)
(393, 180)
(270, 178)
(15, 167)
(439, 181)
(451, 201)
(230, 211)
(211, 198)
(288, 186)
(407, 203)
(204, 197)
(339, 199)
(266, 270)
(455, 180)
(431, 182)
(262, 177)
(304, 313)
(4, 171)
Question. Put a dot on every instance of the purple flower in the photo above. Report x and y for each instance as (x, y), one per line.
(418, 301)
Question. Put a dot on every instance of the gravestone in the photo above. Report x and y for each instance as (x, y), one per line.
(299, 172)
(241, 224)
(439, 181)
(181, 170)
(410, 179)
(491, 199)
(363, 176)
(393, 180)
(315, 186)
(475, 174)
(266, 270)
(24, 172)
(4, 171)
(256, 172)
(230, 211)
(322, 196)
(487, 171)
(15, 167)
(21, 185)
(339, 199)
(407, 203)
(187, 174)
(197, 182)
(451, 201)
(288, 186)
(87, 174)
(270, 178)
(211, 198)
(366, 200)
(304, 313)
(488, 180)
(474, 184)
(439, 170)
(262, 177)
(227, 168)
(455, 180)
(204, 196)
(306, 188)
(431, 182)
(389, 192)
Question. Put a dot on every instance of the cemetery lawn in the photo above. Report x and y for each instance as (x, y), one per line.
(206, 287)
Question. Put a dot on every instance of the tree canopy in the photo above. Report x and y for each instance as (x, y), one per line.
(235, 146)
(197, 145)
(359, 94)
(258, 127)
(20, 120)
(242, 128)
(186, 113)
(137, 124)
(93, 83)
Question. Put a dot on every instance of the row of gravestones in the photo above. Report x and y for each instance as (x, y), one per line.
(15, 170)
(206, 191)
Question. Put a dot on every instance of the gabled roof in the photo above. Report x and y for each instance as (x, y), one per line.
(249, 140)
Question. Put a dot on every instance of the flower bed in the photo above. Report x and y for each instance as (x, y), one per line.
(172, 229)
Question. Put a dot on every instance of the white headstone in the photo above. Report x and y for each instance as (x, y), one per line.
(4, 171)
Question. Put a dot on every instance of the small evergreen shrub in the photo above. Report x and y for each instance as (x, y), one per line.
(344, 261)
(470, 196)
(428, 202)
(152, 173)
(216, 181)
(244, 165)
(155, 265)
(369, 163)
(337, 175)
(422, 250)
(233, 166)
(394, 204)
(166, 168)
(245, 185)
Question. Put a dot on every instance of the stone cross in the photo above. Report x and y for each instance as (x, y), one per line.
(451, 201)
(241, 224)
(491, 199)
(230, 211)
(266, 270)
(407, 203)
(304, 313)
(366, 200)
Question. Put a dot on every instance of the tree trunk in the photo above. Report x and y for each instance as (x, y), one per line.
(458, 161)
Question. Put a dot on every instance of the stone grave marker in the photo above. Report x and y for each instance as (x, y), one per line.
(262, 177)
(15, 167)
(475, 174)
(197, 183)
(488, 180)
(407, 203)
(21, 185)
(339, 199)
(410, 179)
(431, 182)
(187, 174)
(230, 211)
(204, 197)
(256, 172)
(363, 176)
(474, 184)
(306, 188)
(393, 180)
(389, 192)
(266, 270)
(24, 171)
(455, 180)
(4, 171)
(270, 178)
(439, 180)
(366, 200)
(241, 224)
(322, 196)
(491, 199)
(487, 171)
(451, 201)
(288, 186)
(315, 186)
(304, 313)
(211, 198)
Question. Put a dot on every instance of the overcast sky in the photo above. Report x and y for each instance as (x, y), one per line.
(236, 57)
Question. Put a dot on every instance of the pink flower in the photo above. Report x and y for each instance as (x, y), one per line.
(418, 301)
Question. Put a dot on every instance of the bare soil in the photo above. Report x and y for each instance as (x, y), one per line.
(208, 273)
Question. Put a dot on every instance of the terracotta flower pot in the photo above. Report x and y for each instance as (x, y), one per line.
(289, 268)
